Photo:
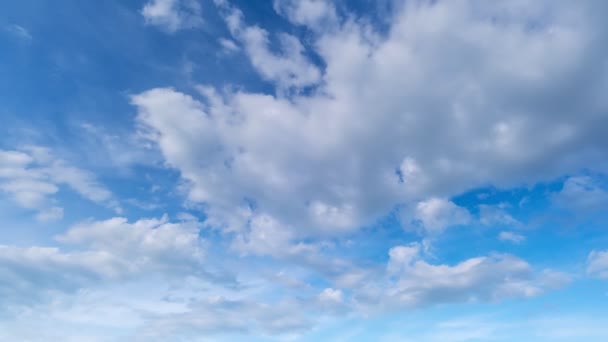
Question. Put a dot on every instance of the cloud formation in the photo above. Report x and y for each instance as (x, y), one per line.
(395, 122)
(32, 176)
(101, 251)
(314, 189)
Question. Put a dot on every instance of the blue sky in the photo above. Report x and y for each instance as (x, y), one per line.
(312, 170)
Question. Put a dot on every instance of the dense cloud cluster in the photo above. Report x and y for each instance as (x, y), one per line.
(395, 122)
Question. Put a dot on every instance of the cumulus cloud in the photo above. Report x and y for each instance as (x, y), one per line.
(172, 15)
(32, 176)
(315, 14)
(101, 251)
(411, 281)
(289, 68)
(436, 214)
(395, 122)
(582, 194)
(361, 122)
(147, 244)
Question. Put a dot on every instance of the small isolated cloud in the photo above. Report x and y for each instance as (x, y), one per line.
(511, 237)
(228, 45)
(597, 264)
(496, 215)
(172, 15)
(19, 32)
(582, 194)
(315, 14)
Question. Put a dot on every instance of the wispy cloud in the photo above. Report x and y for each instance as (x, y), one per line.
(20, 32)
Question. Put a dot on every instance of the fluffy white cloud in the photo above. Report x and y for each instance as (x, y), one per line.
(411, 281)
(436, 214)
(316, 14)
(582, 194)
(101, 251)
(291, 68)
(597, 264)
(363, 121)
(395, 122)
(33, 175)
(145, 244)
(331, 295)
(228, 45)
(172, 15)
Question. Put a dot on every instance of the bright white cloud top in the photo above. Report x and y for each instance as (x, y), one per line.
(305, 170)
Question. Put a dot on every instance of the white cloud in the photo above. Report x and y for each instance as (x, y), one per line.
(395, 104)
(172, 15)
(236, 316)
(147, 244)
(582, 194)
(33, 175)
(380, 120)
(316, 14)
(264, 237)
(331, 295)
(411, 281)
(20, 32)
(511, 237)
(597, 264)
(102, 251)
(496, 215)
(228, 45)
(290, 68)
(436, 214)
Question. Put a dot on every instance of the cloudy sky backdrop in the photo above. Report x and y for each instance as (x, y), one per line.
(392, 170)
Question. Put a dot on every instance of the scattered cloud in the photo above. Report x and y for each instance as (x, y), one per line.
(102, 251)
(294, 173)
(496, 215)
(412, 282)
(33, 175)
(173, 15)
(582, 194)
(434, 215)
(290, 68)
(228, 45)
(19, 32)
(315, 14)
(597, 264)
(511, 237)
